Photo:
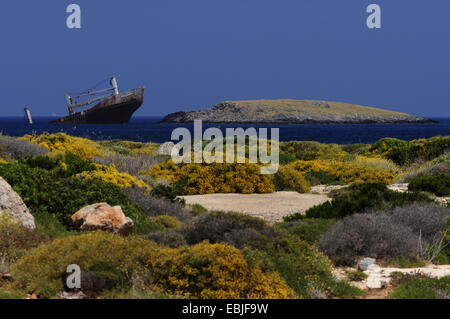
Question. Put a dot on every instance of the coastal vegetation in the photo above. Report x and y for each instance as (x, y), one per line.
(181, 251)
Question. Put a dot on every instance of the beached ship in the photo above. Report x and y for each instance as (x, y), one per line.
(113, 107)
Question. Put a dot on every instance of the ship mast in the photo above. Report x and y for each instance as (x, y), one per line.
(114, 87)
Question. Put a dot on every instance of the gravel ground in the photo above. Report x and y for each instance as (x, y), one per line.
(272, 207)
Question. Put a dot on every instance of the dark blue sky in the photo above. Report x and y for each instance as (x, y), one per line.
(193, 54)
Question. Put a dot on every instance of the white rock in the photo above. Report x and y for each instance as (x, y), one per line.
(13, 206)
(374, 281)
(165, 148)
(364, 263)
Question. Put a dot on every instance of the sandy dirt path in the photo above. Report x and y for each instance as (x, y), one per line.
(272, 207)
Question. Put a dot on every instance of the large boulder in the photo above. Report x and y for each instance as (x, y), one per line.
(102, 216)
(13, 206)
(165, 148)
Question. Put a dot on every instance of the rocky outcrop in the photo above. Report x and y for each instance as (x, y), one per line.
(292, 112)
(165, 148)
(13, 206)
(102, 216)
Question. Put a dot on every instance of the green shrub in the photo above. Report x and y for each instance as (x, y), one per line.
(42, 270)
(438, 185)
(309, 151)
(44, 192)
(64, 165)
(407, 262)
(406, 153)
(235, 229)
(423, 288)
(286, 159)
(303, 267)
(321, 178)
(198, 209)
(289, 179)
(308, 229)
(168, 222)
(15, 239)
(359, 198)
(44, 162)
(169, 238)
(356, 275)
(202, 271)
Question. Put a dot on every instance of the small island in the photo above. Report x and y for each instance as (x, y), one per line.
(293, 112)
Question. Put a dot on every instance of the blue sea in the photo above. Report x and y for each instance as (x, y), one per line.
(148, 129)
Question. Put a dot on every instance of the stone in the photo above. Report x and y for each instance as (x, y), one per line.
(165, 148)
(401, 188)
(326, 189)
(73, 295)
(374, 281)
(364, 263)
(374, 268)
(102, 216)
(13, 206)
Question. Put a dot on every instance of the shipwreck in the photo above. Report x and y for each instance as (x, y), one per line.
(112, 106)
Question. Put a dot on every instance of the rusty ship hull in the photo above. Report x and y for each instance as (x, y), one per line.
(115, 109)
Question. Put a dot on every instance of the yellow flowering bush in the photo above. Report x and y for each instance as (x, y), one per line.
(361, 169)
(63, 143)
(215, 271)
(215, 178)
(129, 147)
(289, 179)
(203, 271)
(42, 269)
(111, 175)
(2, 161)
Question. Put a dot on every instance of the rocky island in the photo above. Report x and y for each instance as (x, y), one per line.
(292, 112)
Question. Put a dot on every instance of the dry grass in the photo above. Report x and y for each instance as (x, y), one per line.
(315, 108)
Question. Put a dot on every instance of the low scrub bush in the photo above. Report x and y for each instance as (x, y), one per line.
(16, 149)
(438, 185)
(423, 288)
(360, 169)
(368, 235)
(42, 270)
(406, 153)
(359, 198)
(390, 234)
(321, 178)
(308, 229)
(303, 267)
(65, 165)
(235, 229)
(168, 222)
(356, 275)
(310, 151)
(42, 191)
(15, 239)
(288, 179)
(152, 206)
(169, 238)
(129, 148)
(202, 271)
(431, 168)
(133, 165)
